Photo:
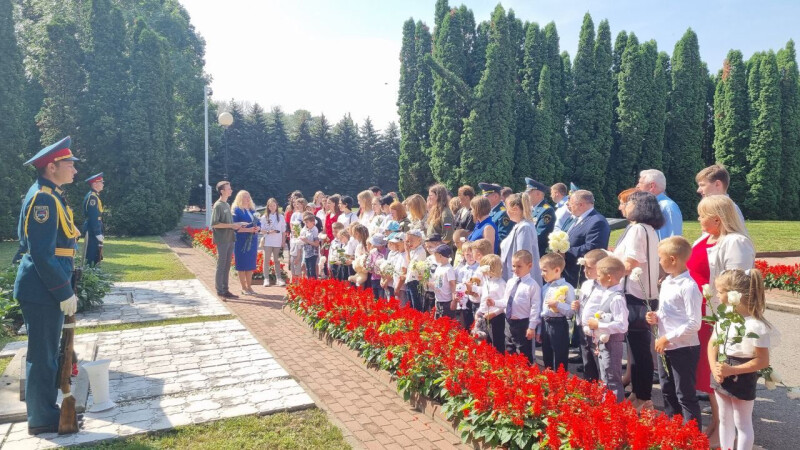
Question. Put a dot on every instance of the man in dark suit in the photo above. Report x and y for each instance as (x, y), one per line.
(589, 231)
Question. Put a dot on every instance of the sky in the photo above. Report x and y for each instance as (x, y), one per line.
(342, 56)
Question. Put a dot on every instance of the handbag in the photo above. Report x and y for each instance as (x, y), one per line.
(637, 308)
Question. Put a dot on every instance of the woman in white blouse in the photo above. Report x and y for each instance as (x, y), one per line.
(272, 228)
(365, 212)
(638, 248)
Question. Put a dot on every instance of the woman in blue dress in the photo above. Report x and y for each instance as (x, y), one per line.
(245, 251)
(485, 228)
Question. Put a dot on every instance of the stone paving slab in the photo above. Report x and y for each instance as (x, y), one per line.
(141, 301)
(163, 377)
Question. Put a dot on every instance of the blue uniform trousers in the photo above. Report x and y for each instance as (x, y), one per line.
(92, 250)
(44, 322)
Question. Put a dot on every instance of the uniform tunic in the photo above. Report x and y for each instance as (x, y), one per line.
(93, 211)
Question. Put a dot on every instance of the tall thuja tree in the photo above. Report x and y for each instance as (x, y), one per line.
(653, 147)
(322, 148)
(63, 80)
(525, 163)
(707, 149)
(684, 125)
(107, 86)
(732, 123)
(371, 152)
(591, 106)
(147, 205)
(389, 145)
(764, 153)
(790, 132)
(346, 178)
(558, 96)
(415, 102)
(488, 139)
(13, 178)
(634, 83)
(477, 54)
(279, 147)
(547, 164)
(620, 43)
(449, 108)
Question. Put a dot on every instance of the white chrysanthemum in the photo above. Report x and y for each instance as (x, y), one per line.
(770, 385)
(734, 298)
(774, 376)
(581, 261)
(636, 273)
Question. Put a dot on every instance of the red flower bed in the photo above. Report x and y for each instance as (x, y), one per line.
(203, 239)
(780, 276)
(498, 398)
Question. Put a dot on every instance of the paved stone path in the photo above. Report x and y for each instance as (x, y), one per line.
(369, 413)
(143, 301)
(163, 377)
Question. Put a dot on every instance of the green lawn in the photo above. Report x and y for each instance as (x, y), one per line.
(309, 429)
(130, 259)
(768, 236)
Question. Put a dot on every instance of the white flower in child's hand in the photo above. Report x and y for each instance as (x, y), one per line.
(793, 393)
(577, 293)
(770, 385)
(636, 273)
(773, 376)
(581, 261)
(734, 298)
(707, 292)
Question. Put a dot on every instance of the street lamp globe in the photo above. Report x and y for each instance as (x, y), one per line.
(225, 119)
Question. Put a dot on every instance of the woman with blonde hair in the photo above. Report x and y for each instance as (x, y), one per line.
(440, 219)
(415, 206)
(272, 228)
(724, 245)
(365, 211)
(522, 236)
(245, 250)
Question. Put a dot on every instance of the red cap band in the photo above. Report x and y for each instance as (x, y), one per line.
(57, 155)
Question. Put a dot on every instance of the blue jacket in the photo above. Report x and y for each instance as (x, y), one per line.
(93, 211)
(47, 233)
(589, 234)
(544, 216)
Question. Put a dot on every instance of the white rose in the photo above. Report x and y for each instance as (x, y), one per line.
(734, 298)
(707, 292)
(581, 261)
(793, 393)
(636, 273)
(770, 385)
(775, 377)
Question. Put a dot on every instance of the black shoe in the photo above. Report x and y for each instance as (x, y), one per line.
(43, 429)
(656, 379)
(579, 369)
(230, 294)
(703, 397)
(575, 359)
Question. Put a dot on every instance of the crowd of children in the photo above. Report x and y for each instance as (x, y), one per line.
(385, 249)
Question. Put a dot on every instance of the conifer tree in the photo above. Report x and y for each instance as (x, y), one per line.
(547, 164)
(415, 170)
(389, 154)
(559, 66)
(13, 179)
(591, 109)
(790, 132)
(764, 152)
(652, 156)
(449, 108)
(477, 55)
(344, 178)
(256, 155)
(613, 182)
(634, 82)
(487, 143)
(370, 151)
(707, 150)
(278, 151)
(322, 146)
(302, 144)
(732, 123)
(684, 124)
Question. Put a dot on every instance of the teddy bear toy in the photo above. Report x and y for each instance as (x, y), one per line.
(360, 267)
(602, 317)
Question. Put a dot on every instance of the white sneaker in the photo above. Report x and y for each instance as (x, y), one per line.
(267, 283)
(281, 283)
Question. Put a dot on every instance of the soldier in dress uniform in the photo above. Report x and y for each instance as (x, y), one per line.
(544, 215)
(43, 285)
(498, 212)
(93, 211)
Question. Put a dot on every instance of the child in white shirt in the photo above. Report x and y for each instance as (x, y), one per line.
(400, 263)
(589, 288)
(609, 334)
(521, 301)
(492, 287)
(557, 298)
(415, 253)
(678, 318)
(443, 282)
(463, 274)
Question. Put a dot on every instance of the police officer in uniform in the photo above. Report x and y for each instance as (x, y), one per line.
(498, 212)
(544, 215)
(93, 211)
(43, 284)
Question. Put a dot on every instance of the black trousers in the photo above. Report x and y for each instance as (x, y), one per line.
(555, 342)
(465, 317)
(677, 383)
(516, 341)
(591, 368)
(377, 290)
(497, 332)
(443, 310)
(641, 361)
(429, 301)
(413, 295)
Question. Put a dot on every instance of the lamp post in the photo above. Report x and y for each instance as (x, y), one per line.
(225, 119)
(207, 187)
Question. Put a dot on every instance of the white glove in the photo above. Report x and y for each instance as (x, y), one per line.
(70, 305)
(100, 238)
